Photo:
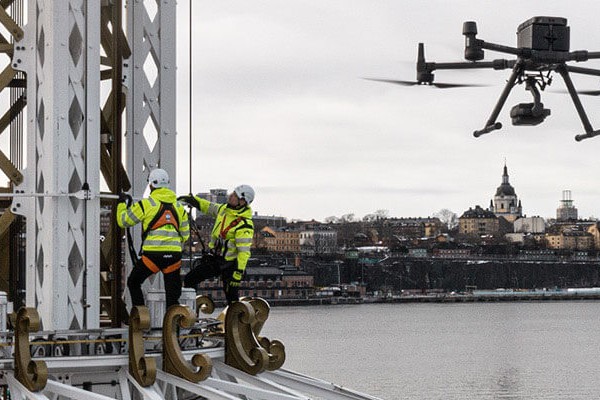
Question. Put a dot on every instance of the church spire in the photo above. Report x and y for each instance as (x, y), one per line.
(506, 202)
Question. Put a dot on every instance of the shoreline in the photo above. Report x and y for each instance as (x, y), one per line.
(449, 298)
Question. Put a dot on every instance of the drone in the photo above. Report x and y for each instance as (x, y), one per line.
(542, 48)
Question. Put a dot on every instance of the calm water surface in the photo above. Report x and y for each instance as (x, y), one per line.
(530, 350)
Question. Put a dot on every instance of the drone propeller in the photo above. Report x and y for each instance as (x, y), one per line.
(589, 92)
(583, 92)
(413, 83)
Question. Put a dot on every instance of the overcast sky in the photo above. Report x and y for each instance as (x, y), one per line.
(279, 103)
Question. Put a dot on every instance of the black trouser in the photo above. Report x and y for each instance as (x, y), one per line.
(210, 266)
(141, 272)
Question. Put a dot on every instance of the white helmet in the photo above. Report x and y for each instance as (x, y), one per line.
(158, 178)
(245, 192)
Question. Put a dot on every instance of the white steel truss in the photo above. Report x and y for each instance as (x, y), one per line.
(151, 98)
(62, 62)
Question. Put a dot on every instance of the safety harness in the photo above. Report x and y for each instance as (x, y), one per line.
(221, 242)
(166, 215)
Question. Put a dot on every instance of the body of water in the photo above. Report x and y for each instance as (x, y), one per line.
(515, 350)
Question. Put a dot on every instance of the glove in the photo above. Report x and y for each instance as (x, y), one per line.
(236, 278)
(189, 199)
(125, 198)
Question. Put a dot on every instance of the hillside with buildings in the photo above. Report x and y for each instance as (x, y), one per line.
(484, 248)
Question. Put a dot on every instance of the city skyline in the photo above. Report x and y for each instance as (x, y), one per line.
(280, 103)
(486, 205)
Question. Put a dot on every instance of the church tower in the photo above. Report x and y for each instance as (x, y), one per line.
(505, 203)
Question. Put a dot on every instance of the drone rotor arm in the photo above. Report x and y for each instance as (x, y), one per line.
(495, 64)
(593, 54)
(502, 49)
(583, 71)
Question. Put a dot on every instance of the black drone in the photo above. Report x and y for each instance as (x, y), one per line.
(542, 47)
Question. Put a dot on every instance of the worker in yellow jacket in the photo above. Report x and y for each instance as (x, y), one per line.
(165, 228)
(230, 240)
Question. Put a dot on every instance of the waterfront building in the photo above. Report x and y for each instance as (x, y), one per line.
(554, 240)
(477, 221)
(506, 203)
(529, 225)
(417, 252)
(573, 236)
(215, 196)
(452, 253)
(274, 221)
(578, 240)
(411, 228)
(318, 239)
(594, 230)
(270, 283)
(278, 240)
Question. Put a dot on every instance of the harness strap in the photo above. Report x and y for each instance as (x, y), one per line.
(172, 268)
(223, 233)
(155, 268)
(150, 264)
(166, 215)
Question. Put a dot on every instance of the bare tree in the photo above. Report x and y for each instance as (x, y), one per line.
(331, 220)
(347, 218)
(382, 214)
(369, 218)
(448, 218)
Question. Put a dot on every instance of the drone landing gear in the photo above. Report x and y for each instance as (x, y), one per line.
(489, 128)
(589, 131)
(491, 124)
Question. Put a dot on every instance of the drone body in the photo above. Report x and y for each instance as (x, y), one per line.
(543, 47)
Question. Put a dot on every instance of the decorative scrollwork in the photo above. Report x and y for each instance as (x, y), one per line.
(143, 369)
(205, 305)
(32, 374)
(242, 350)
(275, 348)
(261, 310)
(276, 351)
(173, 361)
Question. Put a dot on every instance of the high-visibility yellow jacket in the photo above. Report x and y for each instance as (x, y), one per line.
(232, 232)
(164, 238)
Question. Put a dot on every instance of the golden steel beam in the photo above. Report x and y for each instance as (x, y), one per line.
(10, 24)
(9, 169)
(6, 3)
(116, 50)
(12, 113)
(6, 219)
(106, 157)
(6, 76)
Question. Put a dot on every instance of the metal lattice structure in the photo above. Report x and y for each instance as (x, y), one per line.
(70, 140)
(99, 84)
(60, 58)
(151, 100)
